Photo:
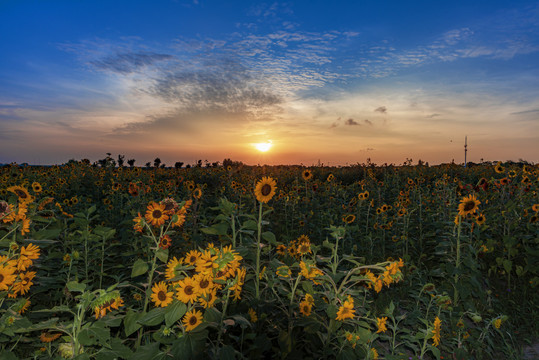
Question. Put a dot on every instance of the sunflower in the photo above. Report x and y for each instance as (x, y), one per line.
(192, 319)
(25, 227)
(165, 242)
(468, 205)
(499, 168)
(304, 248)
(192, 257)
(307, 175)
(170, 273)
(402, 212)
(36, 187)
(48, 337)
(346, 311)
(436, 331)
(281, 249)
(381, 323)
(330, 178)
(160, 296)
(208, 300)
(480, 219)
(25, 282)
(265, 189)
(203, 284)
(197, 193)
(21, 192)
(155, 214)
(305, 308)
(187, 290)
(252, 315)
(6, 276)
(24, 304)
(504, 181)
(535, 207)
(350, 218)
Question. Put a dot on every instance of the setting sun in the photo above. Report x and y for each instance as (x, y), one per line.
(263, 147)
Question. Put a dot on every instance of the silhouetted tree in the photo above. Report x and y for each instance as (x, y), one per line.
(157, 162)
(178, 165)
(148, 164)
(199, 163)
(131, 162)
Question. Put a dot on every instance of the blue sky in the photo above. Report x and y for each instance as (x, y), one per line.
(333, 81)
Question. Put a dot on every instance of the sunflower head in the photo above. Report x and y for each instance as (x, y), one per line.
(265, 189)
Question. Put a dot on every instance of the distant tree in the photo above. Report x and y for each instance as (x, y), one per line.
(178, 165)
(199, 163)
(131, 162)
(157, 162)
(187, 166)
(163, 165)
(148, 164)
(121, 159)
(215, 164)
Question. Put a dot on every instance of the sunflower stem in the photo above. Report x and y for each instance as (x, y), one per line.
(457, 262)
(257, 277)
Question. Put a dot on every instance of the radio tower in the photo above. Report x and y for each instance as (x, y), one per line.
(465, 149)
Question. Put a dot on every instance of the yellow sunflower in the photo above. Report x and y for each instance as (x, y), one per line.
(305, 308)
(480, 219)
(187, 290)
(307, 175)
(24, 283)
(170, 273)
(192, 257)
(21, 192)
(155, 214)
(499, 168)
(192, 319)
(6, 276)
(265, 189)
(203, 283)
(468, 205)
(37, 187)
(381, 323)
(436, 332)
(208, 300)
(349, 218)
(346, 311)
(197, 193)
(160, 296)
(48, 337)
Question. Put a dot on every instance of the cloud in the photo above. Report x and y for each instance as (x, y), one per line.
(525, 112)
(125, 63)
(368, 122)
(351, 122)
(432, 116)
(381, 109)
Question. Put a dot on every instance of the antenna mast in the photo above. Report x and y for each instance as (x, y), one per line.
(465, 149)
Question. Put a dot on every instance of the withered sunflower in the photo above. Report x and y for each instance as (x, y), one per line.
(265, 189)
(155, 214)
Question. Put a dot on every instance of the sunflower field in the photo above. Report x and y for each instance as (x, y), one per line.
(282, 262)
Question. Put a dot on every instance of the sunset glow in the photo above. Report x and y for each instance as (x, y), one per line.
(187, 80)
(263, 147)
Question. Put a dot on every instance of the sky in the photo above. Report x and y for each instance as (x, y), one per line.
(330, 82)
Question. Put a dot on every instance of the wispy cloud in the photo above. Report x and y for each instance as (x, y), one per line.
(126, 63)
(351, 122)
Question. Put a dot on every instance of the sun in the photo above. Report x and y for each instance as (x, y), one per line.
(263, 147)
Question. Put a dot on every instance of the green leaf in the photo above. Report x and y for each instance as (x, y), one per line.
(269, 237)
(117, 350)
(189, 346)
(8, 355)
(75, 286)
(139, 267)
(97, 334)
(507, 265)
(45, 325)
(226, 353)
(130, 322)
(153, 317)
(162, 254)
(148, 352)
(250, 225)
(174, 312)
